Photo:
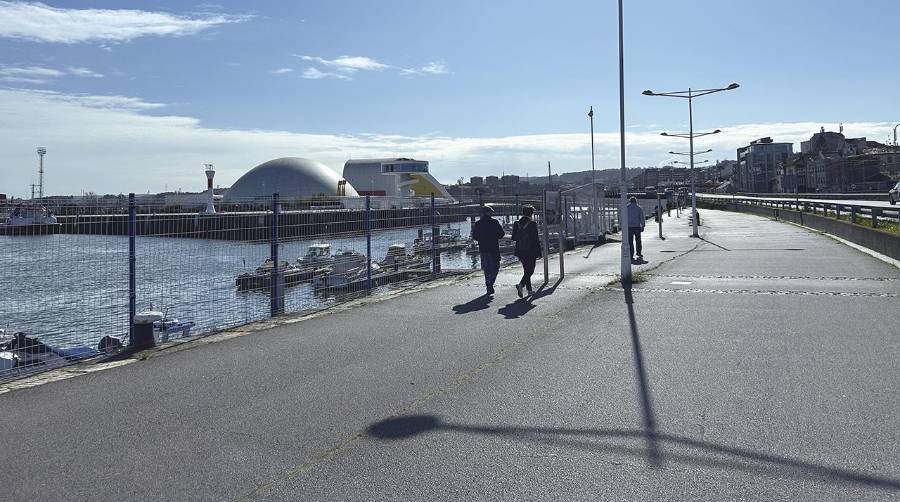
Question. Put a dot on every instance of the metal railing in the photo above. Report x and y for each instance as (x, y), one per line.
(886, 218)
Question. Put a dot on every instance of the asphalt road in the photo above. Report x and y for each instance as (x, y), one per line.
(759, 363)
(884, 202)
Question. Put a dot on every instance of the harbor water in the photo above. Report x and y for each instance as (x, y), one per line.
(71, 290)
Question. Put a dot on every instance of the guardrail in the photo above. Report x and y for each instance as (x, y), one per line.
(875, 216)
(873, 227)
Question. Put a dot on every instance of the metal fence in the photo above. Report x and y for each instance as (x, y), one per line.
(74, 278)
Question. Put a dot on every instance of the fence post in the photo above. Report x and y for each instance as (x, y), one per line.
(435, 239)
(132, 259)
(276, 298)
(368, 244)
(852, 214)
(546, 240)
(561, 238)
(659, 214)
(517, 212)
(875, 212)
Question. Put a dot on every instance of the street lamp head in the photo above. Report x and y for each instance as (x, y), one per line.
(734, 85)
(591, 112)
(717, 131)
(648, 92)
(664, 134)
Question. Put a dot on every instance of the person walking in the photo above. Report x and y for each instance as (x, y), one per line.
(636, 222)
(528, 247)
(488, 232)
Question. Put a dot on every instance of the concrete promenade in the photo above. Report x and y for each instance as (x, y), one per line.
(757, 363)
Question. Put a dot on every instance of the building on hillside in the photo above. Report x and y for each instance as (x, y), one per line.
(492, 181)
(476, 181)
(509, 180)
(759, 165)
(394, 177)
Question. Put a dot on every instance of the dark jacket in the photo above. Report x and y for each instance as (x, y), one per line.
(528, 243)
(488, 231)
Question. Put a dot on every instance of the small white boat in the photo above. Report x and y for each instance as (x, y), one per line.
(397, 257)
(24, 216)
(20, 353)
(165, 326)
(349, 267)
(318, 255)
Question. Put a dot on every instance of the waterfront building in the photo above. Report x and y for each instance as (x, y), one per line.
(393, 177)
(291, 178)
(492, 181)
(476, 181)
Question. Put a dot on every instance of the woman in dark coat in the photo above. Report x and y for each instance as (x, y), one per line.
(528, 247)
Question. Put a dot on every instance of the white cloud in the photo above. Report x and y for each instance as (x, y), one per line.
(110, 144)
(348, 64)
(83, 72)
(281, 71)
(29, 71)
(23, 80)
(432, 68)
(39, 75)
(316, 74)
(39, 22)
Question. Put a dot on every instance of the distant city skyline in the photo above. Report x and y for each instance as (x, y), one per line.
(137, 100)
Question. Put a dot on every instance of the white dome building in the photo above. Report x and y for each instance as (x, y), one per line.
(291, 178)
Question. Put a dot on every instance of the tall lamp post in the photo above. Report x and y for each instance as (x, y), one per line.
(623, 190)
(594, 218)
(690, 94)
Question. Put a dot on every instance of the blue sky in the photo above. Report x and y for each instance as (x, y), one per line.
(135, 96)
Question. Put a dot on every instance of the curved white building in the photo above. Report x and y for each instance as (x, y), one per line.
(291, 178)
(399, 177)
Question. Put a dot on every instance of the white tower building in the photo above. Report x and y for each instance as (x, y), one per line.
(210, 173)
(41, 151)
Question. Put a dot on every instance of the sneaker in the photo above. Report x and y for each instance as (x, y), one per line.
(530, 291)
(519, 290)
(490, 290)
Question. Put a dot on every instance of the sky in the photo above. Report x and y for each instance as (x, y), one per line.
(137, 96)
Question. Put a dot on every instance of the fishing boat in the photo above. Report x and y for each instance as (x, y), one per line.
(448, 240)
(261, 278)
(318, 255)
(31, 215)
(397, 258)
(349, 267)
(165, 326)
(20, 353)
(507, 246)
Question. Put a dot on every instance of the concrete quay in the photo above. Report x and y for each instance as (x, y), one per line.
(758, 362)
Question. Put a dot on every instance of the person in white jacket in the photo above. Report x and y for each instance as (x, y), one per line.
(635, 227)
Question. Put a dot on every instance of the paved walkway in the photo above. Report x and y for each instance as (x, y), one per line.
(760, 365)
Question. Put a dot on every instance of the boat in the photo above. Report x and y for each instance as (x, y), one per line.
(349, 266)
(31, 215)
(507, 246)
(21, 353)
(397, 258)
(318, 255)
(165, 326)
(448, 240)
(261, 278)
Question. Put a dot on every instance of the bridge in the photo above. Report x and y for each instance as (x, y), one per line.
(757, 362)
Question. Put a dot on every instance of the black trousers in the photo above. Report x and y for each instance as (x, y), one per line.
(634, 238)
(528, 264)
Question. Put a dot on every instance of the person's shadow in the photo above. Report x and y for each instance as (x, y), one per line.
(474, 305)
(516, 309)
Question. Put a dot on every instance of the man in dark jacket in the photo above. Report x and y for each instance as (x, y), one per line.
(488, 232)
(528, 247)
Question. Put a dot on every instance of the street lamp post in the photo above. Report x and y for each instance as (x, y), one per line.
(690, 94)
(594, 218)
(623, 190)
